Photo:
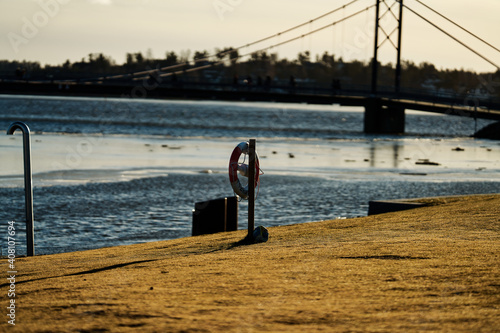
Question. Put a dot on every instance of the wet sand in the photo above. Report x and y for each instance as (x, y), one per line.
(429, 269)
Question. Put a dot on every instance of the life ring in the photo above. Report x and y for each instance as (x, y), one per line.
(235, 166)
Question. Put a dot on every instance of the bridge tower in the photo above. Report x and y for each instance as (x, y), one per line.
(381, 118)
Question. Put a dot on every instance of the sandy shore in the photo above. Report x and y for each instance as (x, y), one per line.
(435, 268)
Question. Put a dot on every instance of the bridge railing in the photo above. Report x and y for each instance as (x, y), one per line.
(427, 96)
(483, 102)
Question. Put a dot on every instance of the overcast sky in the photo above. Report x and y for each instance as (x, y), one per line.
(52, 31)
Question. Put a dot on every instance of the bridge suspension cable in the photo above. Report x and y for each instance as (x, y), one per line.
(458, 25)
(172, 69)
(295, 27)
(453, 37)
(266, 48)
(224, 53)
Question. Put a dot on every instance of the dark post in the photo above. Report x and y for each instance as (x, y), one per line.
(398, 60)
(375, 51)
(225, 214)
(28, 186)
(251, 188)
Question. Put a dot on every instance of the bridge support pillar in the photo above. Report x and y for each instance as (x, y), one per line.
(381, 119)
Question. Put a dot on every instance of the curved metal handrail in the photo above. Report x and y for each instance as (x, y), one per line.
(28, 184)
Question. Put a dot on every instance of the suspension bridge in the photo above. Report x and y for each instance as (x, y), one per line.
(384, 106)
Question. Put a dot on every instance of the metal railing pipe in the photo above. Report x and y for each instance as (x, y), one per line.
(28, 184)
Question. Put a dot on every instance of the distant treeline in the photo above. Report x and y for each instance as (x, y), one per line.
(226, 66)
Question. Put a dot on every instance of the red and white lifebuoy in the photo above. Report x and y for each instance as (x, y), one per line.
(235, 166)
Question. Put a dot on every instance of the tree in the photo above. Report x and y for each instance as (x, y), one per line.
(139, 58)
(100, 63)
(67, 65)
(303, 58)
(129, 59)
(327, 59)
(198, 56)
(171, 58)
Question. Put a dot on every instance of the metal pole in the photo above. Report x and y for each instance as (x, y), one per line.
(398, 59)
(375, 51)
(28, 185)
(251, 188)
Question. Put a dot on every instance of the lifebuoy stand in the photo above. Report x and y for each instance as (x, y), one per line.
(251, 189)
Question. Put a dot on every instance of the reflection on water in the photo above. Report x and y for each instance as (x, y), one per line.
(382, 153)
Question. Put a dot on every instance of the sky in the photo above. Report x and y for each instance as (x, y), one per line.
(53, 31)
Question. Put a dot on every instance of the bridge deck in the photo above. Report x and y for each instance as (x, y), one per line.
(452, 105)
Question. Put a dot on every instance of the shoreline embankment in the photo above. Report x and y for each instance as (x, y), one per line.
(432, 268)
